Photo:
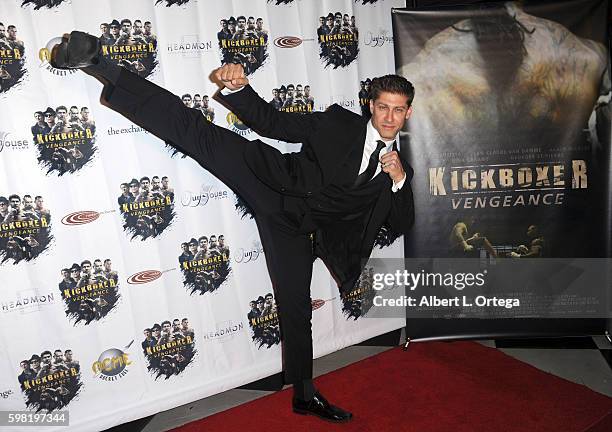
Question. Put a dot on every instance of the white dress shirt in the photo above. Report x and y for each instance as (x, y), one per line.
(372, 136)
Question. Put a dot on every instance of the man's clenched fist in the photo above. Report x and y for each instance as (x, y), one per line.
(231, 76)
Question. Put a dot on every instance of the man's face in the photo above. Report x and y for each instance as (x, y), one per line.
(137, 27)
(269, 300)
(187, 101)
(115, 30)
(2, 32)
(27, 203)
(165, 182)
(338, 21)
(156, 183)
(253, 305)
(205, 102)
(98, 266)
(74, 114)
(290, 91)
(85, 114)
(147, 28)
(124, 189)
(166, 327)
(224, 24)
(389, 113)
(65, 274)
(126, 28)
(12, 33)
(58, 357)
(144, 184)
(176, 325)
(531, 231)
(213, 241)
(283, 95)
(75, 274)
(345, 20)
(193, 248)
(298, 89)
(185, 248)
(38, 117)
(260, 304)
(134, 189)
(49, 118)
(86, 268)
(232, 27)
(251, 23)
(15, 203)
(35, 363)
(61, 114)
(321, 21)
(197, 101)
(329, 22)
(241, 23)
(156, 332)
(104, 28)
(274, 93)
(108, 265)
(221, 241)
(307, 91)
(203, 244)
(25, 366)
(185, 324)
(40, 203)
(259, 24)
(68, 356)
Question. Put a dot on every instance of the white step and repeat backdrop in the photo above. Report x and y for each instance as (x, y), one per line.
(132, 280)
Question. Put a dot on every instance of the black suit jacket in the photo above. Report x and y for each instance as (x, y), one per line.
(328, 139)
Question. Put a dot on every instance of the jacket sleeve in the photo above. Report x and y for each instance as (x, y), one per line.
(264, 119)
(401, 215)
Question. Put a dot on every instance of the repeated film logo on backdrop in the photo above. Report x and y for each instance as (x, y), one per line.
(263, 320)
(39, 4)
(50, 381)
(89, 290)
(169, 348)
(147, 206)
(364, 97)
(205, 263)
(130, 44)
(357, 302)
(200, 103)
(243, 40)
(338, 39)
(12, 60)
(65, 138)
(292, 98)
(25, 230)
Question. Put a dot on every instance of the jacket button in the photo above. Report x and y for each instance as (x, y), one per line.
(308, 193)
(282, 189)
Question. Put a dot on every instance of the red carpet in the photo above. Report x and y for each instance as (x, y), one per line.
(434, 386)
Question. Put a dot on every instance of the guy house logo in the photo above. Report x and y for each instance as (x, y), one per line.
(263, 320)
(65, 138)
(169, 3)
(338, 39)
(147, 206)
(205, 263)
(243, 40)
(130, 44)
(12, 61)
(9, 143)
(39, 4)
(50, 381)
(89, 290)
(292, 98)
(25, 230)
(169, 348)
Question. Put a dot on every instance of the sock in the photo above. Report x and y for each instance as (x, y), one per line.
(304, 390)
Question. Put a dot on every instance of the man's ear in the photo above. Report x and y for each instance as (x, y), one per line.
(371, 106)
(409, 113)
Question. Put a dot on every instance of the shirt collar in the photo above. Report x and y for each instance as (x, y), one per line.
(372, 136)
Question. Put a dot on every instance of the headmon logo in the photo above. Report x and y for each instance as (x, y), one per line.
(112, 364)
(12, 61)
(27, 302)
(224, 331)
(190, 46)
(207, 194)
(9, 143)
(236, 124)
(44, 55)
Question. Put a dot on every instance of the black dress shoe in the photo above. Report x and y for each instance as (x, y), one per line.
(79, 50)
(319, 407)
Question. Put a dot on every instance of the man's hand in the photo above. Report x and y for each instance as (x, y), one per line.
(231, 76)
(391, 164)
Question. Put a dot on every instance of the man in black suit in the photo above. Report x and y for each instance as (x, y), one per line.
(329, 200)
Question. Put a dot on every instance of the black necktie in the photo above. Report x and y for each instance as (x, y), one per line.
(365, 176)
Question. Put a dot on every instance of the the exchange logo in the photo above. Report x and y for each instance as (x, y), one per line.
(50, 381)
(89, 290)
(131, 45)
(357, 302)
(169, 347)
(263, 320)
(338, 39)
(207, 194)
(244, 41)
(12, 61)
(112, 364)
(39, 4)
(205, 263)
(147, 206)
(8, 143)
(65, 139)
(25, 227)
(292, 98)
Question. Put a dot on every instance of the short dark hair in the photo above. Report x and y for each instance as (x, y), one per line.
(392, 84)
